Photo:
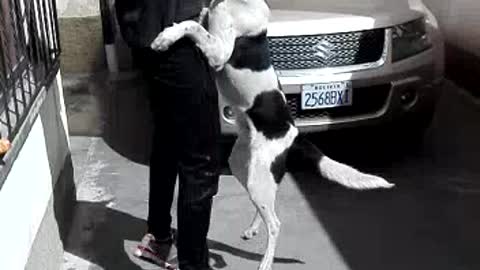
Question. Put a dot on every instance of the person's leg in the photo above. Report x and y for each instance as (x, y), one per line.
(197, 129)
(163, 159)
(163, 167)
(198, 175)
(157, 244)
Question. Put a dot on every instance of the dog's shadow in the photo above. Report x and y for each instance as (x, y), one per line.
(220, 263)
(105, 237)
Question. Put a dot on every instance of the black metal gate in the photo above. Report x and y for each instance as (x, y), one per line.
(29, 57)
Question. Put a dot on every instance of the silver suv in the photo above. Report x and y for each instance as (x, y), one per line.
(350, 63)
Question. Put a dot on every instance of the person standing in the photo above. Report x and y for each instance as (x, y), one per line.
(184, 104)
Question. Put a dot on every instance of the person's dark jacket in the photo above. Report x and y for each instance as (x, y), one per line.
(141, 21)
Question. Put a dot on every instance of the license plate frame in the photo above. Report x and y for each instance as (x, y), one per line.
(326, 95)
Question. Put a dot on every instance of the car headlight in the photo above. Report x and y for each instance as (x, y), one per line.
(410, 39)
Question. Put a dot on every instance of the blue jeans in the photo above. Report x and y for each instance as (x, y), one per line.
(184, 103)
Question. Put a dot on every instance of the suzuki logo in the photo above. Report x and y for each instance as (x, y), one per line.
(324, 50)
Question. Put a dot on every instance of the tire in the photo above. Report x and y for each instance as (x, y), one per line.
(410, 131)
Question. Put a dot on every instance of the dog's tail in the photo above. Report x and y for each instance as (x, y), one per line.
(305, 156)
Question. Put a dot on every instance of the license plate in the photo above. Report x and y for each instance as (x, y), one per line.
(326, 95)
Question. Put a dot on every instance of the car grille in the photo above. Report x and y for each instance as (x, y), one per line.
(366, 100)
(343, 49)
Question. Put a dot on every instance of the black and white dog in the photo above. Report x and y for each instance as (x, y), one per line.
(268, 144)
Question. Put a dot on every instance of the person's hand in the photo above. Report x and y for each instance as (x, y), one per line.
(4, 146)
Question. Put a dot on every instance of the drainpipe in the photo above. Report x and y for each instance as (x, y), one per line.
(108, 25)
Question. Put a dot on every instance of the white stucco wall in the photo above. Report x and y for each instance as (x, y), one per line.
(78, 8)
(460, 21)
(27, 194)
(23, 200)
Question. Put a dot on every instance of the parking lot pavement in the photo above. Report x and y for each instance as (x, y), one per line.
(429, 221)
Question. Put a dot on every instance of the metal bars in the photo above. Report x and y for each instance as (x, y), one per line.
(29, 57)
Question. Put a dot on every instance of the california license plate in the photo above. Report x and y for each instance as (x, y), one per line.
(326, 95)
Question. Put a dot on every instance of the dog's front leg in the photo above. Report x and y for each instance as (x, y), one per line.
(171, 34)
(217, 45)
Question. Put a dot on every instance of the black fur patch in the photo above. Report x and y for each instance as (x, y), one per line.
(279, 166)
(303, 156)
(270, 114)
(251, 52)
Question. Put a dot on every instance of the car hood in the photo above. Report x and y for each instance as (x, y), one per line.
(296, 17)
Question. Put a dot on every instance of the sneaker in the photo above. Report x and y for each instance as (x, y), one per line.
(162, 253)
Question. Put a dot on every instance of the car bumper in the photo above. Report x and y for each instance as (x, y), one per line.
(420, 75)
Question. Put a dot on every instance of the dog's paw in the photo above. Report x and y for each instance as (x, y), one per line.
(214, 59)
(249, 234)
(166, 38)
(217, 67)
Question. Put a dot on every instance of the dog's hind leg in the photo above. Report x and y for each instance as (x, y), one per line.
(265, 203)
(263, 190)
(252, 231)
(239, 161)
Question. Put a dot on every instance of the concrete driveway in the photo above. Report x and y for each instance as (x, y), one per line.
(430, 221)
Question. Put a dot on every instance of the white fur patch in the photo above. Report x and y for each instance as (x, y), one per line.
(218, 43)
(248, 84)
(251, 16)
(267, 150)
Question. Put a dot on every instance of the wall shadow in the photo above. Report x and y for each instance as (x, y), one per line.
(105, 237)
(462, 67)
(429, 221)
(411, 227)
(64, 199)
